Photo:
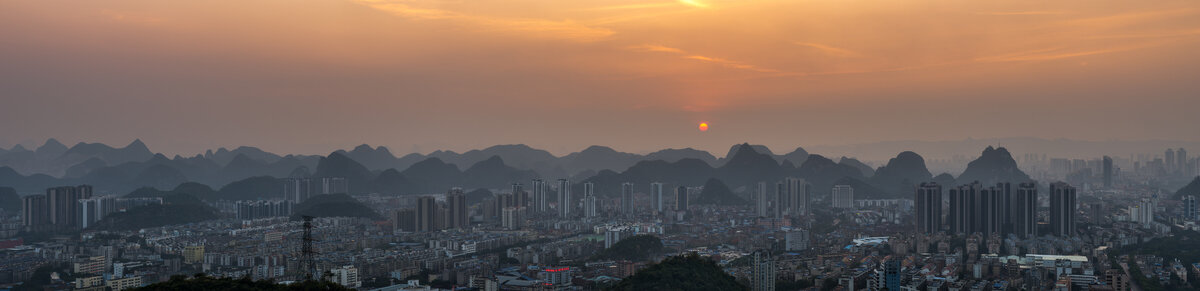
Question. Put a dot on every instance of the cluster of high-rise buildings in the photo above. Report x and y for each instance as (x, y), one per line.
(792, 198)
(997, 209)
(72, 208)
(263, 209)
(433, 215)
(561, 200)
(299, 189)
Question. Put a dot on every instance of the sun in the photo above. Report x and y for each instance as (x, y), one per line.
(703, 126)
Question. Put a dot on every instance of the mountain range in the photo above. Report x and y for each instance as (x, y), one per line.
(247, 172)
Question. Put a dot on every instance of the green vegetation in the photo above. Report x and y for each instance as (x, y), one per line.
(793, 285)
(203, 282)
(249, 189)
(1192, 188)
(635, 248)
(333, 205)
(155, 216)
(688, 272)
(9, 200)
(1180, 246)
(41, 276)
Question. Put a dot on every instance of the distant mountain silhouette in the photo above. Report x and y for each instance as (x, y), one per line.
(478, 195)
(748, 165)
(673, 155)
(864, 190)
(82, 169)
(377, 169)
(598, 158)
(945, 180)
(339, 165)
(390, 181)
(1192, 188)
(35, 183)
(223, 156)
(373, 158)
(54, 158)
(253, 188)
(866, 170)
(822, 173)
(519, 155)
(51, 148)
(993, 166)
(493, 173)
(797, 156)
(432, 175)
(901, 174)
(717, 193)
(689, 172)
(159, 176)
(733, 150)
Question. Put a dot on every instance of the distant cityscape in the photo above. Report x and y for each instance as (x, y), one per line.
(1047, 224)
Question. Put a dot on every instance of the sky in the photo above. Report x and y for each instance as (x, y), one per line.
(417, 76)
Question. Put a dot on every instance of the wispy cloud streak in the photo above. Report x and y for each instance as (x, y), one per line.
(566, 29)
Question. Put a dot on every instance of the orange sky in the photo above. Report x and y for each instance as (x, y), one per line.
(311, 76)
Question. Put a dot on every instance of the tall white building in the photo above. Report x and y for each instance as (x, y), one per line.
(564, 198)
(627, 198)
(1189, 208)
(796, 240)
(511, 219)
(843, 196)
(346, 276)
(589, 206)
(761, 201)
(797, 196)
(762, 277)
(541, 199)
(1142, 213)
(656, 197)
(589, 199)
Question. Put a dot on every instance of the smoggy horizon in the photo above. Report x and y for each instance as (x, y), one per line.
(563, 75)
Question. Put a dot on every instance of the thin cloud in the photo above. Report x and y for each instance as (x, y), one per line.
(1051, 54)
(569, 30)
(1020, 13)
(634, 6)
(1124, 19)
(830, 50)
(1155, 34)
(656, 48)
(720, 61)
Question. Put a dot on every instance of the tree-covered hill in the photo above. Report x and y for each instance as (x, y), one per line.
(201, 282)
(689, 272)
(634, 248)
(333, 205)
(155, 216)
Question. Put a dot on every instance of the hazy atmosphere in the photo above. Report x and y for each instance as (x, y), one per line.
(420, 76)
(599, 145)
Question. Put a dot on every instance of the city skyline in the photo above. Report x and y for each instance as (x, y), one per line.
(522, 145)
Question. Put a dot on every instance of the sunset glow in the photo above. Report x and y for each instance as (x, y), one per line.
(703, 126)
(880, 67)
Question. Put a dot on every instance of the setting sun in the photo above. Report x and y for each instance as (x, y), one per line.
(703, 126)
